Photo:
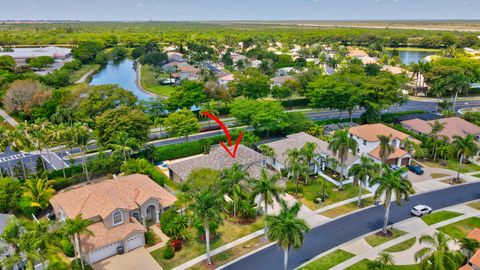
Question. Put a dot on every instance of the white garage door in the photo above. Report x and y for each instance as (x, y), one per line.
(134, 242)
(104, 252)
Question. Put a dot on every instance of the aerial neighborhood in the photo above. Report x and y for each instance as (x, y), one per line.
(152, 145)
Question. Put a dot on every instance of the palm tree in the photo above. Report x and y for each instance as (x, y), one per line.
(341, 144)
(465, 148)
(287, 229)
(469, 246)
(210, 108)
(361, 173)
(264, 67)
(267, 151)
(231, 180)
(3, 144)
(207, 210)
(123, 143)
(437, 254)
(391, 182)
(383, 261)
(386, 149)
(308, 154)
(316, 131)
(74, 228)
(38, 191)
(81, 139)
(436, 128)
(266, 187)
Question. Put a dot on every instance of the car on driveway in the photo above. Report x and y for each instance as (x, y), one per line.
(421, 210)
(415, 169)
(396, 168)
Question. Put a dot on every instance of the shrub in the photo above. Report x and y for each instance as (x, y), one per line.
(176, 244)
(157, 176)
(168, 252)
(149, 238)
(24, 206)
(167, 218)
(67, 247)
(295, 102)
(76, 265)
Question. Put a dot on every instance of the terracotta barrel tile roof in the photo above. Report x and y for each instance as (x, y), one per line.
(372, 131)
(398, 153)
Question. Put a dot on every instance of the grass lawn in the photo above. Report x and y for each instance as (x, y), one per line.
(227, 233)
(462, 228)
(477, 175)
(315, 188)
(363, 265)
(375, 240)
(438, 175)
(330, 260)
(150, 84)
(402, 246)
(475, 205)
(77, 74)
(346, 208)
(439, 216)
(453, 165)
(231, 254)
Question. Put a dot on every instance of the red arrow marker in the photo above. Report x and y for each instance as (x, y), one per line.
(225, 130)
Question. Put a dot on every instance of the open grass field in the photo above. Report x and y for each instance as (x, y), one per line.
(375, 240)
(195, 247)
(149, 83)
(330, 260)
(462, 228)
(314, 189)
(439, 216)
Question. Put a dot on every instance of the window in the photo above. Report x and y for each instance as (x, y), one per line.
(117, 218)
(364, 142)
(264, 163)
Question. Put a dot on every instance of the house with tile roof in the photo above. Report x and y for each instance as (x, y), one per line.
(454, 126)
(474, 262)
(369, 144)
(218, 159)
(119, 209)
(298, 140)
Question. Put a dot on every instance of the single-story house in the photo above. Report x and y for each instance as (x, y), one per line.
(369, 144)
(219, 159)
(454, 126)
(119, 209)
(285, 71)
(356, 53)
(280, 80)
(175, 57)
(298, 140)
(186, 72)
(237, 57)
(226, 79)
(254, 63)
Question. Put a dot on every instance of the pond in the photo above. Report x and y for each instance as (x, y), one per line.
(413, 56)
(122, 73)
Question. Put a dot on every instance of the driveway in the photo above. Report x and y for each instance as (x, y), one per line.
(429, 173)
(133, 260)
(334, 233)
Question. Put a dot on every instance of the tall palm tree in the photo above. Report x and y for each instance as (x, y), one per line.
(75, 227)
(341, 145)
(231, 180)
(464, 148)
(362, 172)
(267, 151)
(386, 149)
(287, 229)
(266, 187)
(81, 139)
(38, 191)
(308, 154)
(391, 182)
(207, 209)
(437, 255)
(124, 144)
(436, 128)
(210, 108)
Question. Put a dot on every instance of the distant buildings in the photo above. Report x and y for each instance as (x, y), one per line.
(22, 54)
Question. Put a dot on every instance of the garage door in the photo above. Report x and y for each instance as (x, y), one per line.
(134, 242)
(104, 252)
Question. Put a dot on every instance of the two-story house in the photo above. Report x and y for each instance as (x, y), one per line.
(119, 209)
(369, 143)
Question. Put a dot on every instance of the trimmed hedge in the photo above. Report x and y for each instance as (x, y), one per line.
(69, 172)
(157, 176)
(294, 102)
(387, 118)
(181, 150)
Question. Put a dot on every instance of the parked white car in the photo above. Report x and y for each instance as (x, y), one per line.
(421, 210)
(396, 167)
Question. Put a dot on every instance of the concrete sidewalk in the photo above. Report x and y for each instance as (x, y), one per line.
(10, 120)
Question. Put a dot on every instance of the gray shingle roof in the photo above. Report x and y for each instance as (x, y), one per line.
(217, 159)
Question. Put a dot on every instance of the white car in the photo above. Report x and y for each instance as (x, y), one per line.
(421, 210)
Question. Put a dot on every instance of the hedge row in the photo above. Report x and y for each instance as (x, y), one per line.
(295, 102)
(387, 118)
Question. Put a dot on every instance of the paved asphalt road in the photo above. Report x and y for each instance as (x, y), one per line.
(337, 232)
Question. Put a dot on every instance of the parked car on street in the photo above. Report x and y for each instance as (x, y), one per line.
(421, 210)
(396, 168)
(415, 169)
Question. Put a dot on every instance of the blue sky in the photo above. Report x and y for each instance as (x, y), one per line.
(179, 10)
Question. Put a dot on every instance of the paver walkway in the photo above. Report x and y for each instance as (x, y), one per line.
(164, 239)
(10, 120)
